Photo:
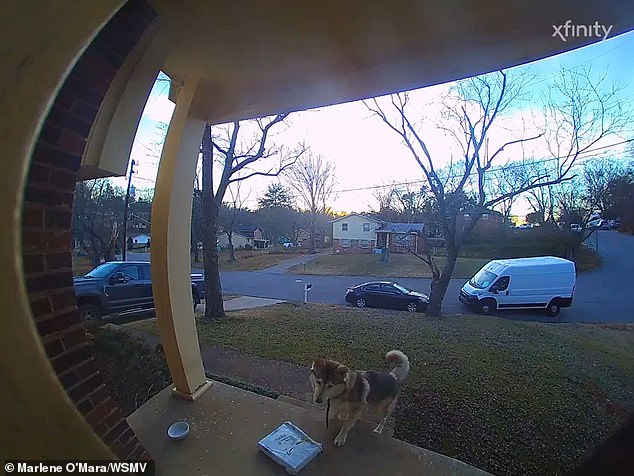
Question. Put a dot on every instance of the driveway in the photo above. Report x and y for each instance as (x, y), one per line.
(607, 294)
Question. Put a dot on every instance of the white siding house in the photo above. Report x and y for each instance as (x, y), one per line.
(140, 239)
(354, 234)
(239, 240)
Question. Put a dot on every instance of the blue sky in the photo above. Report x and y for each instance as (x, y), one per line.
(358, 144)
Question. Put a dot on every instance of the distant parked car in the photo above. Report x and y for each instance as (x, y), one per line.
(288, 244)
(387, 294)
(575, 227)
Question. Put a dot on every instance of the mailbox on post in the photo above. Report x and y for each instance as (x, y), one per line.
(307, 287)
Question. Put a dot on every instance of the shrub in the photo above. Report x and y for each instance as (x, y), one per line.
(134, 371)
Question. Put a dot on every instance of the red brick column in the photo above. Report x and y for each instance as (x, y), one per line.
(46, 225)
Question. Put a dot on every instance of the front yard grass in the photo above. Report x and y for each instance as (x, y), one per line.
(248, 260)
(508, 397)
(81, 265)
(399, 266)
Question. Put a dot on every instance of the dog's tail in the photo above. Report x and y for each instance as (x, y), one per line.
(402, 364)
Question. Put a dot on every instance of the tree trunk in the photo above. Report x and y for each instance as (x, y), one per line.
(232, 253)
(439, 288)
(214, 306)
(194, 245)
(311, 239)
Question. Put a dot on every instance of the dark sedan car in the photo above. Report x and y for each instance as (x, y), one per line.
(387, 294)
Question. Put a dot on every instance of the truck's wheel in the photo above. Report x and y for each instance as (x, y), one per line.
(90, 311)
(553, 308)
(487, 307)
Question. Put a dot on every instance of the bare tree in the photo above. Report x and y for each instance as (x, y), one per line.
(578, 113)
(598, 174)
(229, 221)
(313, 179)
(237, 159)
(411, 202)
(471, 110)
(97, 218)
(386, 203)
(581, 199)
(503, 180)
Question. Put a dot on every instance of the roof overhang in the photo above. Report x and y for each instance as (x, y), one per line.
(262, 58)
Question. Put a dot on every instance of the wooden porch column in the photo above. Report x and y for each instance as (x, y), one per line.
(171, 229)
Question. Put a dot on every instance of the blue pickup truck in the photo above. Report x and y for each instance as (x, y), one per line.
(122, 287)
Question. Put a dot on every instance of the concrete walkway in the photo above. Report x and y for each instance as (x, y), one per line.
(281, 268)
(281, 377)
(249, 302)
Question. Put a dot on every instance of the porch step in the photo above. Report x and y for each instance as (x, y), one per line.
(318, 412)
(227, 422)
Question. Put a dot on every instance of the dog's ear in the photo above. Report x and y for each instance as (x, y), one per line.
(341, 372)
(318, 363)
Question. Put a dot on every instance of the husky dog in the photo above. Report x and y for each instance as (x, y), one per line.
(353, 391)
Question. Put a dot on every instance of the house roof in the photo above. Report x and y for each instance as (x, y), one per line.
(367, 217)
(246, 230)
(401, 227)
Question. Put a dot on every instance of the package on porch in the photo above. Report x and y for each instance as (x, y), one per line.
(290, 447)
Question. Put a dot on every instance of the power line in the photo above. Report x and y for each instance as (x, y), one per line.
(416, 182)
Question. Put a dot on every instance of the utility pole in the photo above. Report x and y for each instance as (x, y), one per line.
(125, 212)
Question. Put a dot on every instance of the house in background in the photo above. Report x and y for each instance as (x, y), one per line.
(355, 233)
(140, 238)
(358, 233)
(490, 222)
(244, 236)
(137, 240)
(303, 238)
(401, 237)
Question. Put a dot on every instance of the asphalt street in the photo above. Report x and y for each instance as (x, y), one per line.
(602, 295)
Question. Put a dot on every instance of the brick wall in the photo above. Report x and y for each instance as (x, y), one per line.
(46, 225)
(354, 248)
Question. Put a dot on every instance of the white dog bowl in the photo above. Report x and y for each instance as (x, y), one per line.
(178, 430)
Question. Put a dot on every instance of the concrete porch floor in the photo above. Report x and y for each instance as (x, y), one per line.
(226, 423)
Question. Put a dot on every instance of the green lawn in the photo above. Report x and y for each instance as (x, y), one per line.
(249, 260)
(81, 265)
(508, 397)
(399, 266)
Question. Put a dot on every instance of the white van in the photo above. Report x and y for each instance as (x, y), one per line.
(545, 282)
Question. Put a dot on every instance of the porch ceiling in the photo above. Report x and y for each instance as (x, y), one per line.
(257, 58)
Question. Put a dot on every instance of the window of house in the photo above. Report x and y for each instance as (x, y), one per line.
(365, 243)
(485, 216)
(366, 227)
(345, 243)
(344, 227)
